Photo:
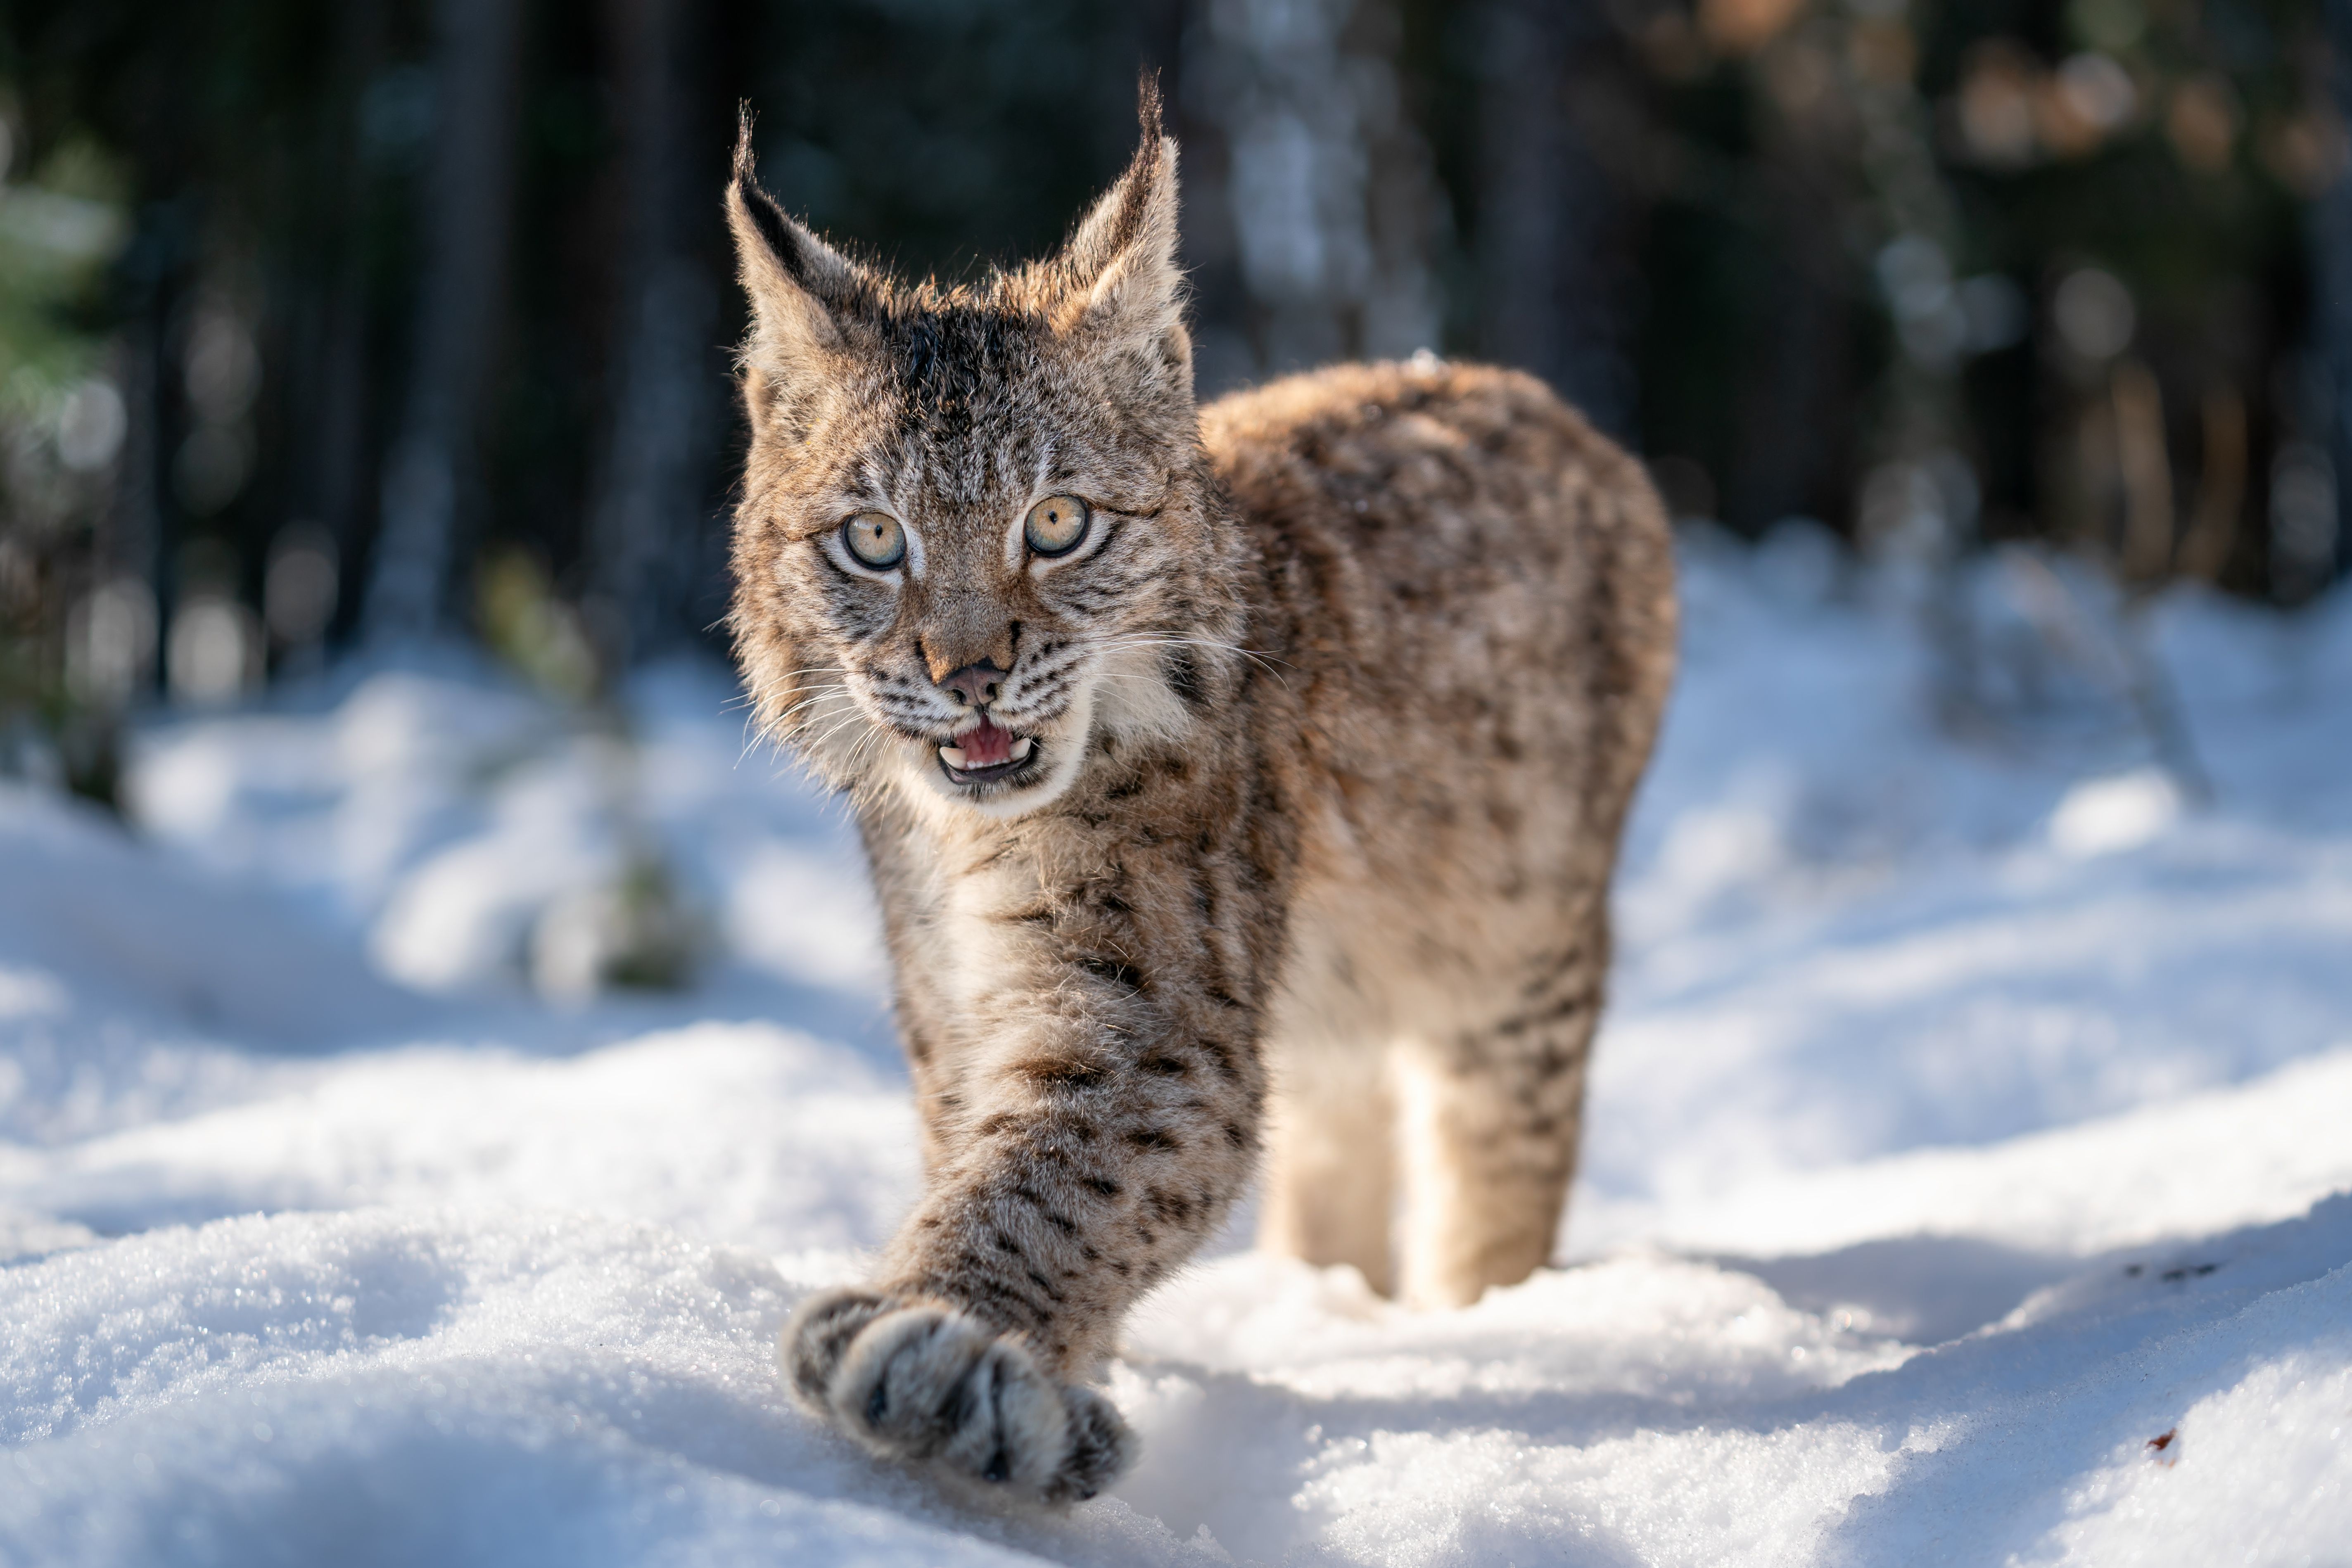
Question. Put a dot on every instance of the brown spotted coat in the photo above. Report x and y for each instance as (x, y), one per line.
(1338, 709)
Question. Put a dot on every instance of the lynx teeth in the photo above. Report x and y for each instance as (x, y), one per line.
(954, 758)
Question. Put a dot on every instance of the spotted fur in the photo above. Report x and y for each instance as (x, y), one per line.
(1336, 712)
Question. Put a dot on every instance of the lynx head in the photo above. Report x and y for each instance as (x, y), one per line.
(973, 534)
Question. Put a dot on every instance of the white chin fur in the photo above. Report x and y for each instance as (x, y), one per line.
(1136, 704)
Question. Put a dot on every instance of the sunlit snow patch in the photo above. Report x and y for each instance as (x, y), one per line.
(1958, 1129)
(2104, 816)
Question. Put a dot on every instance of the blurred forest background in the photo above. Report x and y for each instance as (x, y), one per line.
(344, 326)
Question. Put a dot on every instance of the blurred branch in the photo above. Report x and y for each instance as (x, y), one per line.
(2072, 629)
(2212, 533)
(2145, 467)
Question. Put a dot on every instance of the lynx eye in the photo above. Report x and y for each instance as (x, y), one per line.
(876, 539)
(1056, 525)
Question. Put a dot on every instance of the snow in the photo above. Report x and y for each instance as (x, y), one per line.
(1975, 1109)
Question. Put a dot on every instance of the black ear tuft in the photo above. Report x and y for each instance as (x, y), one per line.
(1147, 106)
(806, 258)
(803, 292)
(1119, 270)
(743, 121)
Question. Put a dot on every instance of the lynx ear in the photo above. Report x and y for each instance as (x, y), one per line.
(1120, 269)
(805, 295)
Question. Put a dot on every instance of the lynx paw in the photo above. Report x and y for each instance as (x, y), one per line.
(927, 1385)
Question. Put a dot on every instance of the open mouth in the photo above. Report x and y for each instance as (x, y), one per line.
(987, 753)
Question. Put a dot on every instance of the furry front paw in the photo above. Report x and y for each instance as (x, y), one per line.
(927, 1385)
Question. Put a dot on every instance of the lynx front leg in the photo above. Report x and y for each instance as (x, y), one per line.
(1079, 1172)
(1490, 1128)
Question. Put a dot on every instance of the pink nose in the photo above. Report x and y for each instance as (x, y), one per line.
(974, 684)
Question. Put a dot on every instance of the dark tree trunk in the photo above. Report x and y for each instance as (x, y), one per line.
(2301, 565)
(326, 416)
(647, 515)
(1327, 185)
(433, 468)
(146, 530)
(1792, 452)
(1555, 228)
(160, 269)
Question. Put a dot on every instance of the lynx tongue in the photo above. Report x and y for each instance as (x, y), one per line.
(983, 747)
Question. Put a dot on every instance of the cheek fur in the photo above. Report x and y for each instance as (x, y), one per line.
(900, 696)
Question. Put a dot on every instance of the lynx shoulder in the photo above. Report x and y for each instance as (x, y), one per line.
(1237, 780)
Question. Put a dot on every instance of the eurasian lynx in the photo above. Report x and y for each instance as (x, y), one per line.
(1238, 777)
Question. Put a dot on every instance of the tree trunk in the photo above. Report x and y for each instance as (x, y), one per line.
(432, 471)
(1328, 185)
(1555, 231)
(326, 412)
(646, 523)
(2302, 562)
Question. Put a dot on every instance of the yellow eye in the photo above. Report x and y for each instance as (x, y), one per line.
(876, 539)
(1056, 525)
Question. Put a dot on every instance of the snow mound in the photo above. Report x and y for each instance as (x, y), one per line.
(420, 1388)
(1967, 1177)
(442, 815)
(740, 1131)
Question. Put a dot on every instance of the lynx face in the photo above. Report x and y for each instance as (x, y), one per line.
(971, 595)
(956, 555)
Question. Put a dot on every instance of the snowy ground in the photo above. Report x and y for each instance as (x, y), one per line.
(1974, 1112)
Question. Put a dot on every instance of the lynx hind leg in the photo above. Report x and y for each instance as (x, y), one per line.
(1329, 1190)
(1490, 1125)
(922, 1383)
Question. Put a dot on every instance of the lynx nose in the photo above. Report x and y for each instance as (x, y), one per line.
(974, 684)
